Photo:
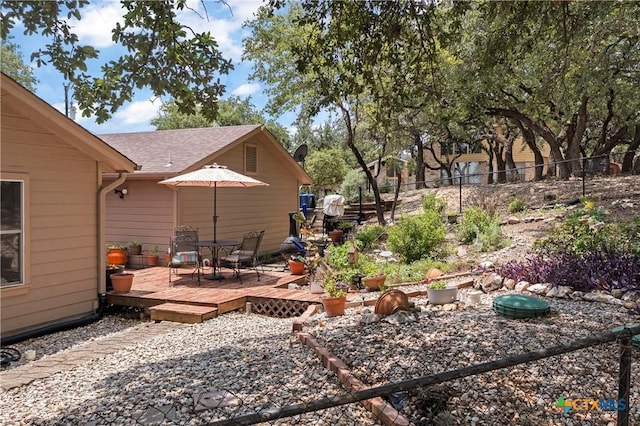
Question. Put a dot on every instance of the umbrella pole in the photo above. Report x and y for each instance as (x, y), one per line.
(215, 217)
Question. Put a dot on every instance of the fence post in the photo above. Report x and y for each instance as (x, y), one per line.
(460, 191)
(624, 380)
(584, 174)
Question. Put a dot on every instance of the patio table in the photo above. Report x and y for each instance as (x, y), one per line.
(214, 247)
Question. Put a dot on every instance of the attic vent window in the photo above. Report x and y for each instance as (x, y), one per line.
(250, 159)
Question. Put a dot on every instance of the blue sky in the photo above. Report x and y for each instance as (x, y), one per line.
(224, 23)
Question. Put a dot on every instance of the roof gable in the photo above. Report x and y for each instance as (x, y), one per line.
(25, 103)
(174, 151)
(168, 152)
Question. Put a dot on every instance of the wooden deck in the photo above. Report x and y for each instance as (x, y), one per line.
(270, 295)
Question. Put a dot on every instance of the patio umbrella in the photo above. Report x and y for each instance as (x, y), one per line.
(214, 176)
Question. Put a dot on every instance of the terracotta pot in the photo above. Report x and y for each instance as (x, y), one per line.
(152, 260)
(117, 256)
(334, 306)
(374, 283)
(296, 268)
(432, 274)
(442, 296)
(135, 250)
(391, 302)
(122, 282)
(336, 235)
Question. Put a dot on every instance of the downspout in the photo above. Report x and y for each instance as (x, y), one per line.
(102, 226)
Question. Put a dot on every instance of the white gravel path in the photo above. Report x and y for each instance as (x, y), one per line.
(167, 378)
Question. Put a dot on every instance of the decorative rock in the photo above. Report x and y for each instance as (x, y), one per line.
(449, 307)
(486, 265)
(603, 298)
(560, 291)
(512, 220)
(617, 293)
(509, 283)
(539, 289)
(491, 282)
(370, 318)
(631, 296)
(521, 286)
(400, 317)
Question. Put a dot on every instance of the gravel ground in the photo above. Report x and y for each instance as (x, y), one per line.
(261, 365)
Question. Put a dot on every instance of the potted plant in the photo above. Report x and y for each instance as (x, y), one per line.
(439, 293)
(297, 264)
(116, 254)
(335, 298)
(135, 248)
(112, 269)
(373, 276)
(152, 257)
(122, 282)
(336, 235)
(346, 226)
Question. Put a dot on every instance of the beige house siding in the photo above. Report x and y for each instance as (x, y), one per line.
(61, 165)
(241, 210)
(61, 219)
(145, 214)
(150, 211)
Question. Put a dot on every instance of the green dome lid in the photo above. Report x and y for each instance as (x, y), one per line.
(635, 340)
(516, 306)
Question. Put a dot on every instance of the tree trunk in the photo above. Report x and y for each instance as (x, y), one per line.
(545, 133)
(530, 139)
(627, 162)
(418, 155)
(372, 181)
(574, 142)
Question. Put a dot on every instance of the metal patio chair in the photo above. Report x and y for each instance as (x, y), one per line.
(184, 251)
(245, 254)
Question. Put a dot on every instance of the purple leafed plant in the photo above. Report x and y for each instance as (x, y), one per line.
(593, 270)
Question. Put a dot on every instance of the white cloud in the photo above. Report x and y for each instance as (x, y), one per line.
(97, 21)
(139, 112)
(246, 89)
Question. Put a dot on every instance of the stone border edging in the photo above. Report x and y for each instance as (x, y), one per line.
(383, 410)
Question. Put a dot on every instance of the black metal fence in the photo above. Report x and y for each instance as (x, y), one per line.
(592, 168)
(620, 405)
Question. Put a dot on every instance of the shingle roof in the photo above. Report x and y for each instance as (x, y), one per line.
(173, 151)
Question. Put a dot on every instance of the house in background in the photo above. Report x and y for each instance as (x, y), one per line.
(53, 215)
(150, 211)
(471, 161)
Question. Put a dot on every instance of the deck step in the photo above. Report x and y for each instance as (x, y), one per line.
(181, 312)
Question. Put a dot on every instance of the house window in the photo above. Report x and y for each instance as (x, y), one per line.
(250, 159)
(12, 232)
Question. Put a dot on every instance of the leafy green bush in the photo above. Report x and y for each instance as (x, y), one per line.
(474, 222)
(516, 206)
(417, 237)
(369, 234)
(353, 180)
(431, 202)
(491, 238)
(586, 230)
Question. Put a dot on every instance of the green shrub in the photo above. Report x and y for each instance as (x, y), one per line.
(474, 222)
(417, 237)
(587, 230)
(516, 206)
(431, 202)
(349, 189)
(369, 234)
(491, 238)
